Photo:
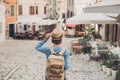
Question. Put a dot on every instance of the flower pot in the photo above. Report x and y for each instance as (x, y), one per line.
(103, 68)
(108, 71)
(113, 74)
(82, 56)
(87, 57)
(117, 77)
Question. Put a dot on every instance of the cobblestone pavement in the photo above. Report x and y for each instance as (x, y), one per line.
(14, 53)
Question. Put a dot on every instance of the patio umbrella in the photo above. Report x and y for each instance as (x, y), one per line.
(36, 20)
(105, 6)
(88, 18)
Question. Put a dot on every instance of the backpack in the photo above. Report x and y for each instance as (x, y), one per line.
(55, 65)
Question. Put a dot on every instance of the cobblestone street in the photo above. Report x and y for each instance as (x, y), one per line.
(20, 61)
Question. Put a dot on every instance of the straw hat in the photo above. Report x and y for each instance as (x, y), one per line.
(57, 34)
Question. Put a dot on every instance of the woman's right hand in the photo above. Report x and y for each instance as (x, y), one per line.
(47, 36)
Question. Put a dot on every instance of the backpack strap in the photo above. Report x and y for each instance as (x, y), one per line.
(52, 51)
(62, 51)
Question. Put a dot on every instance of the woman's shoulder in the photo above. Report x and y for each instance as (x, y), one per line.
(67, 52)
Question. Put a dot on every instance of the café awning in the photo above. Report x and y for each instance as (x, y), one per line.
(71, 25)
(36, 20)
(88, 18)
(106, 6)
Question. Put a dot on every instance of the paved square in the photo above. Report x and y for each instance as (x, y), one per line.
(20, 61)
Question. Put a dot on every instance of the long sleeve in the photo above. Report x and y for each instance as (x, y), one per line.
(41, 48)
(67, 59)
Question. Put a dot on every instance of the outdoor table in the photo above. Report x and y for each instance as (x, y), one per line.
(41, 35)
(76, 47)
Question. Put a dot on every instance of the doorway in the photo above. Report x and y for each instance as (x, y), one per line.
(33, 28)
(107, 32)
(11, 30)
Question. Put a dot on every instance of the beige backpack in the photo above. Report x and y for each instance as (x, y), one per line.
(55, 65)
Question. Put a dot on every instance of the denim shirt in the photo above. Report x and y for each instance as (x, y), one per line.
(46, 50)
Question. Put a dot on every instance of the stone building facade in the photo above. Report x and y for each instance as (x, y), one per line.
(10, 18)
(2, 20)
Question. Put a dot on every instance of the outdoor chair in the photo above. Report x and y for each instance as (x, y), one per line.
(16, 36)
(22, 36)
(30, 36)
(40, 37)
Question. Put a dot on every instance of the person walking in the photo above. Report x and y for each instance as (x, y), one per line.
(64, 28)
(56, 39)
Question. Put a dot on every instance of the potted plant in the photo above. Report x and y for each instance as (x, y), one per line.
(117, 77)
(103, 65)
(85, 43)
(108, 68)
(110, 62)
(97, 36)
(87, 37)
(87, 49)
(106, 62)
(114, 71)
(115, 65)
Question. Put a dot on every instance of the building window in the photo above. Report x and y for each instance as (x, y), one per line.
(71, 14)
(31, 10)
(0, 28)
(68, 14)
(12, 10)
(25, 27)
(63, 15)
(20, 10)
(37, 10)
(45, 10)
(28, 26)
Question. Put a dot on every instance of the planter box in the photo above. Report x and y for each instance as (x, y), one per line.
(108, 71)
(113, 74)
(104, 68)
(87, 57)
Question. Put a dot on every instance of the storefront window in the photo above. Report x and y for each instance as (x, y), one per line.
(0, 28)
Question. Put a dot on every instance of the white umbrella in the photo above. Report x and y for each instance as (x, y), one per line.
(36, 20)
(28, 19)
(88, 18)
(105, 6)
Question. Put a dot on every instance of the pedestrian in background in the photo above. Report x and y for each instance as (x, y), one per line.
(64, 25)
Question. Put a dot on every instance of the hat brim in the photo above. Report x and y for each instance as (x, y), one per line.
(57, 38)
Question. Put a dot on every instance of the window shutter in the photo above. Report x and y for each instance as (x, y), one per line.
(37, 10)
(20, 10)
(12, 10)
(45, 10)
